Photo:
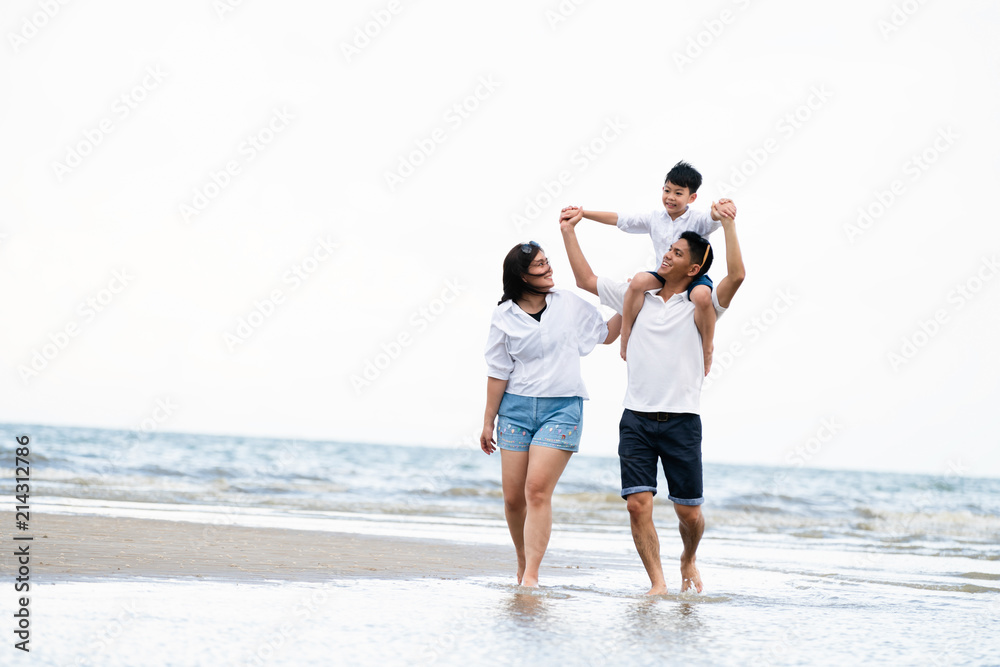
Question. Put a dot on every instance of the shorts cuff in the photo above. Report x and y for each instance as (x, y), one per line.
(512, 447)
(637, 489)
(686, 501)
(564, 446)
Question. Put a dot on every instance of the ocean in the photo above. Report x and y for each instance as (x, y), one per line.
(801, 566)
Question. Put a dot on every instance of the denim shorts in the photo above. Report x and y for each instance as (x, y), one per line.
(550, 422)
(700, 280)
(676, 442)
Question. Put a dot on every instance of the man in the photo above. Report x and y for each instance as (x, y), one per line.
(662, 402)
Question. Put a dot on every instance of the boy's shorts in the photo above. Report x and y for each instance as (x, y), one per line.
(700, 280)
(674, 439)
(549, 422)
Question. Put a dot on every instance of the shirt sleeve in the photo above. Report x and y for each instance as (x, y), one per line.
(590, 325)
(633, 223)
(499, 363)
(612, 293)
(701, 222)
(719, 310)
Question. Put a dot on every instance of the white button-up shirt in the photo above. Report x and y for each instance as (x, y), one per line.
(664, 230)
(666, 363)
(542, 359)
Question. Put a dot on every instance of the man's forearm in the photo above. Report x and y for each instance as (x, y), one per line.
(603, 217)
(734, 256)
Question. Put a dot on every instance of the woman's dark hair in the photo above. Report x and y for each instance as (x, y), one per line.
(698, 246)
(515, 266)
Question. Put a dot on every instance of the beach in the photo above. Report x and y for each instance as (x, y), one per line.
(79, 546)
(185, 549)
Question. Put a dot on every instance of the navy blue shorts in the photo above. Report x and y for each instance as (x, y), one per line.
(676, 442)
(700, 280)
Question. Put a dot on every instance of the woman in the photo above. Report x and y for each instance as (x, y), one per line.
(537, 336)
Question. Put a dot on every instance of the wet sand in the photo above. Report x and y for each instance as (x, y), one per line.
(69, 546)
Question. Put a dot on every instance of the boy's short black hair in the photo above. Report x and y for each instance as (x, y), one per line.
(684, 175)
(698, 246)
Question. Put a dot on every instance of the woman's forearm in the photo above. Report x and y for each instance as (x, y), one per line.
(495, 389)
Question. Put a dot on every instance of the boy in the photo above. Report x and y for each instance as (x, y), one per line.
(680, 188)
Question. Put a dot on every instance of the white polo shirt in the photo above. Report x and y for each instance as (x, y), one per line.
(664, 230)
(542, 359)
(666, 363)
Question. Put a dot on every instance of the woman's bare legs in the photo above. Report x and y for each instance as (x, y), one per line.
(545, 466)
(514, 470)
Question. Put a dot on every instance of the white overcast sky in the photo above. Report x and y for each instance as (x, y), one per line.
(277, 124)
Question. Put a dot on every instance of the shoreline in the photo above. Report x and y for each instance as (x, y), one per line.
(68, 546)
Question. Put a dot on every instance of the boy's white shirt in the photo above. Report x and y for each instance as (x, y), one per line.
(664, 230)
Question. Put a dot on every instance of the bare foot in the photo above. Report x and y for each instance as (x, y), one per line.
(661, 589)
(708, 361)
(520, 569)
(624, 345)
(529, 582)
(690, 577)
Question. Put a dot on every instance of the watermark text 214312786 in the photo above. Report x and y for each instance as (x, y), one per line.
(22, 550)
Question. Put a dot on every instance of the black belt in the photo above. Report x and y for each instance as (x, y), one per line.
(658, 416)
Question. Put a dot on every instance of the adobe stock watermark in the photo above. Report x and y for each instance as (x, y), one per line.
(87, 310)
(901, 525)
(900, 14)
(121, 109)
(454, 117)
(711, 30)
(419, 322)
(786, 126)
(265, 307)
(752, 331)
(912, 170)
(550, 188)
(366, 33)
(224, 7)
(283, 635)
(160, 414)
(561, 12)
(32, 24)
(246, 152)
(927, 329)
(110, 632)
(803, 453)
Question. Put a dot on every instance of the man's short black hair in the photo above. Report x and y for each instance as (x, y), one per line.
(684, 175)
(698, 246)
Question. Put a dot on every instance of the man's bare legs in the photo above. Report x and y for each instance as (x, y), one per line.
(647, 542)
(691, 525)
(514, 470)
(632, 303)
(545, 466)
(704, 319)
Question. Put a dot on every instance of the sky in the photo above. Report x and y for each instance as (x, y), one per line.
(289, 219)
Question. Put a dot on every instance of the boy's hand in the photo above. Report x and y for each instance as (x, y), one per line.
(726, 208)
(720, 213)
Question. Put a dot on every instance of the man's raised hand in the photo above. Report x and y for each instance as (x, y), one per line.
(569, 216)
(724, 208)
(721, 212)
